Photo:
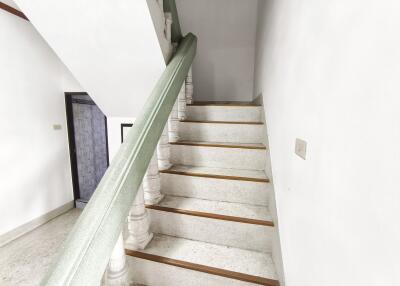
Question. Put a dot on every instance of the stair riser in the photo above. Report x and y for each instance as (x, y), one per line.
(216, 189)
(158, 274)
(234, 158)
(224, 113)
(219, 132)
(229, 233)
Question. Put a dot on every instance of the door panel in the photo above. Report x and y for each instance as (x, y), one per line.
(89, 145)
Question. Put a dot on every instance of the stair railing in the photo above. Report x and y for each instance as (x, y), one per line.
(96, 240)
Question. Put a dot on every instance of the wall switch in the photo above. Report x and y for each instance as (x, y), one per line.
(57, 127)
(301, 148)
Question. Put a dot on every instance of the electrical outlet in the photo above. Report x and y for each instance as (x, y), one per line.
(57, 127)
(301, 148)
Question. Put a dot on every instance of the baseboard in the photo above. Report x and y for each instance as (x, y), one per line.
(29, 226)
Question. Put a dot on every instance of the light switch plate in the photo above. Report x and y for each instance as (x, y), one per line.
(57, 127)
(301, 148)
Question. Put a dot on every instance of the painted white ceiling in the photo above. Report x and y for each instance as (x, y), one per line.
(111, 47)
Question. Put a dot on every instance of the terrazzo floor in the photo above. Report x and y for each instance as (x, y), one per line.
(25, 260)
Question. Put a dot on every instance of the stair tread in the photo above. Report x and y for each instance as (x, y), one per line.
(223, 173)
(248, 262)
(218, 208)
(220, 144)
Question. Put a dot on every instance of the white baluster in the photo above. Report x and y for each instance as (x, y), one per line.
(138, 224)
(117, 273)
(189, 87)
(173, 124)
(168, 25)
(163, 151)
(152, 183)
(182, 103)
(168, 35)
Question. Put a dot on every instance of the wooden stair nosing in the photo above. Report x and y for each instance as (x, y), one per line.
(212, 176)
(222, 122)
(224, 104)
(203, 268)
(13, 11)
(219, 145)
(212, 215)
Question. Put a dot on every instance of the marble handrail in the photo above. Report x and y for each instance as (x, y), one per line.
(85, 253)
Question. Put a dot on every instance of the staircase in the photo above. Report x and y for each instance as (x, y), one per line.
(213, 226)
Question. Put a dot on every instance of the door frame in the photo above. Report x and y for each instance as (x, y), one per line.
(123, 125)
(71, 138)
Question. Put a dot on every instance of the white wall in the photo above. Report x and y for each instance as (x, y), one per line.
(34, 167)
(329, 74)
(111, 47)
(224, 65)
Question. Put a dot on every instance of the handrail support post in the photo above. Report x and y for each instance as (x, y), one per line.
(138, 224)
(152, 183)
(189, 87)
(182, 103)
(163, 151)
(117, 270)
(173, 124)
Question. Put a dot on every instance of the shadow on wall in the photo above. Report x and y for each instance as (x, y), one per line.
(264, 20)
(208, 77)
(224, 64)
(276, 242)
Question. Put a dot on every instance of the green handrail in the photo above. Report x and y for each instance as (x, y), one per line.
(85, 253)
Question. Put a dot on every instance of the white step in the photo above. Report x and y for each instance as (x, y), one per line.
(224, 112)
(217, 131)
(220, 155)
(231, 224)
(229, 185)
(172, 261)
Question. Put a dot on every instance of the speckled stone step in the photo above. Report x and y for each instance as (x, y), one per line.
(224, 112)
(182, 262)
(219, 154)
(216, 131)
(219, 184)
(232, 224)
